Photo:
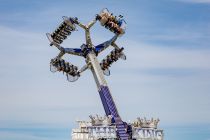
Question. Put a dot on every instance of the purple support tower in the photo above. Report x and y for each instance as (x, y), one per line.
(110, 109)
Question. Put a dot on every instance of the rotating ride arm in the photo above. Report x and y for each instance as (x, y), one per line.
(117, 26)
(90, 24)
(56, 38)
(99, 48)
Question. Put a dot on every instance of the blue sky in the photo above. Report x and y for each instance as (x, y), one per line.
(166, 74)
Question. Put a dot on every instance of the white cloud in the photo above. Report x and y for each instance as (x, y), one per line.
(150, 56)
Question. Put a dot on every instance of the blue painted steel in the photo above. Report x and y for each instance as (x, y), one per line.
(110, 109)
(77, 50)
(99, 47)
(107, 101)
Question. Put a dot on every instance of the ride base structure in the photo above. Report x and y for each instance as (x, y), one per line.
(111, 126)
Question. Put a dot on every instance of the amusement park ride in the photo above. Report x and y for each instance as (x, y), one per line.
(110, 127)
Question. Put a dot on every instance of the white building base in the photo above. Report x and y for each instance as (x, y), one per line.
(101, 128)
